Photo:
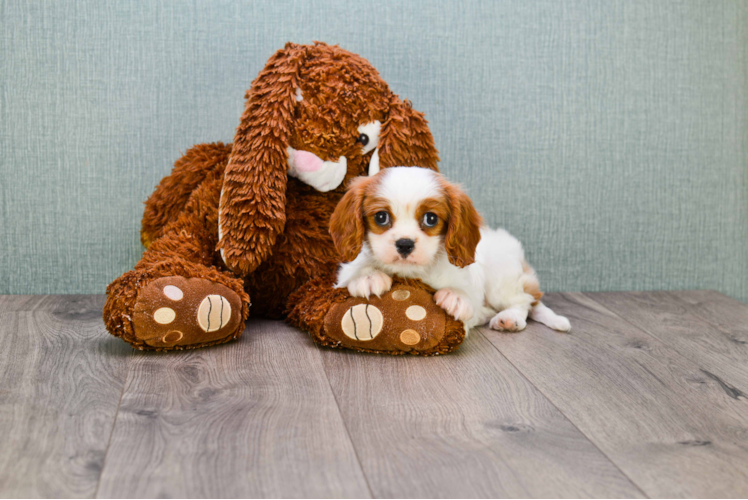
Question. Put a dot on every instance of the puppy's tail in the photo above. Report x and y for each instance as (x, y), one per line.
(543, 314)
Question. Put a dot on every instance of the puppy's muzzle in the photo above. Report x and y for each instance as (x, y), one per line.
(405, 246)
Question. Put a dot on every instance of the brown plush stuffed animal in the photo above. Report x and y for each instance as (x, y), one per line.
(253, 217)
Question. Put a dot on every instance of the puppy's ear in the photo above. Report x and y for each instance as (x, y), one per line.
(406, 140)
(253, 199)
(347, 222)
(463, 228)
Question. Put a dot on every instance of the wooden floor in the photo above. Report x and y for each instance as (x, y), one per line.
(646, 397)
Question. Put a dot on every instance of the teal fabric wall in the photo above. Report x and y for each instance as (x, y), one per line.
(610, 136)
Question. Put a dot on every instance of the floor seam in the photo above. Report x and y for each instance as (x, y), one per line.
(618, 468)
(342, 421)
(114, 424)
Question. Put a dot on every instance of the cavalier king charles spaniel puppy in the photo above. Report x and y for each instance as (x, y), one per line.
(411, 222)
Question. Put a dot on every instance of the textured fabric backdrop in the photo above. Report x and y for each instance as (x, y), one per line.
(610, 136)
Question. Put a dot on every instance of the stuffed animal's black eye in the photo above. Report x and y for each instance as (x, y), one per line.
(382, 218)
(363, 139)
(430, 219)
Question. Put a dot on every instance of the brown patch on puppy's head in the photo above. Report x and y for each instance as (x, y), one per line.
(373, 205)
(348, 225)
(438, 207)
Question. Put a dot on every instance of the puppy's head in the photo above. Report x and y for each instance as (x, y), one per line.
(407, 215)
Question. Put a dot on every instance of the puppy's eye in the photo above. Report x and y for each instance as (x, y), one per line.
(382, 218)
(363, 139)
(430, 219)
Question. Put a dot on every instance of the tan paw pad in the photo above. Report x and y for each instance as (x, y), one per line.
(415, 313)
(214, 313)
(164, 315)
(410, 337)
(172, 337)
(362, 322)
(400, 295)
(173, 293)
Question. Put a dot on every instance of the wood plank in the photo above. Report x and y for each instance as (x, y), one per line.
(463, 425)
(62, 377)
(16, 303)
(674, 430)
(253, 418)
(728, 315)
(704, 326)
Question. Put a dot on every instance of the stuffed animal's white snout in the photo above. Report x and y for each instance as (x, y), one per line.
(311, 169)
(327, 175)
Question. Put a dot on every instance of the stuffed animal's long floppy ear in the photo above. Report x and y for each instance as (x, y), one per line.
(347, 221)
(463, 229)
(406, 140)
(253, 199)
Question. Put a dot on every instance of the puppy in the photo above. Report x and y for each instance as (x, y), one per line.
(411, 222)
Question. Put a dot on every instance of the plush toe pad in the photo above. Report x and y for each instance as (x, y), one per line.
(176, 311)
(362, 322)
(214, 313)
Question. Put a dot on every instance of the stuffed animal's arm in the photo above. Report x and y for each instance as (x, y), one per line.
(172, 193)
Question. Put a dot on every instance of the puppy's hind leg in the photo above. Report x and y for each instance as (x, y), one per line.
(543, 314)
(513, 319)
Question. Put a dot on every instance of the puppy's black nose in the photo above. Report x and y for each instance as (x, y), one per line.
(405, 246)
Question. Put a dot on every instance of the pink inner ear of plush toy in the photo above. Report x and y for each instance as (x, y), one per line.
(304, 161)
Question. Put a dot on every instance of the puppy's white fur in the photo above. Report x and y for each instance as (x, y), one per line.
(491, 290)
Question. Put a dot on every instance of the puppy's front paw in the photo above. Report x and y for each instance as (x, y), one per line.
(375, 283)
(454, 303)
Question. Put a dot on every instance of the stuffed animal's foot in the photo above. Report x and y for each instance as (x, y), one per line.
(176, 313)
(404, 320)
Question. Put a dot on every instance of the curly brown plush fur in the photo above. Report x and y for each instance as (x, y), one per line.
(273, 229)
(342, 92)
